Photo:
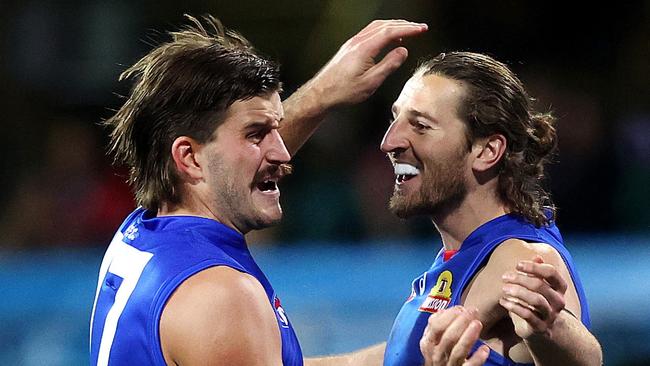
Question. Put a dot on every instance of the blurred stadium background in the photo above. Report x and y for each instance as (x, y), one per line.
(340, 261)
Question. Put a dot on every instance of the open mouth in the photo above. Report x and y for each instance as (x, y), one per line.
(405, 172)
(267, 186)
(401, 178)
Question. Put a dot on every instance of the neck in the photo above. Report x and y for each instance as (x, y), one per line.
(190, 206)
(458, 223)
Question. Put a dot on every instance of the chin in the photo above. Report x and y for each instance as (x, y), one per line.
(405, 207)
(404, 210)
(268, 218)
(400, 206)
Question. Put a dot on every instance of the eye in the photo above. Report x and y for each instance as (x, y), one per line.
(256, 136)
(419, 126)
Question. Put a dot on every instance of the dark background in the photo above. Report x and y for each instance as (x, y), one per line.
(60, 62)
(341, 261)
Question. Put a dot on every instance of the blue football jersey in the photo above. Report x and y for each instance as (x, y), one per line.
(148, 258)
(443, 284)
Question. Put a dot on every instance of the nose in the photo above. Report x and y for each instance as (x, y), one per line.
(394, 139)
(277, 152)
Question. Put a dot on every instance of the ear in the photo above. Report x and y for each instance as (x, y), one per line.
(184, 152)
(488, 151)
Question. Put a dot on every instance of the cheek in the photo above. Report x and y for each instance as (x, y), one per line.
(248, 163)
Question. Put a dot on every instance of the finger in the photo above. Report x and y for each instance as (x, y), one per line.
(377, 26)
(464, 345)
(478, 357)
(546, 271)
(377, 39)
(440, 321)
(426, 346)
(525, 313)
(391, 62)
(378, 23)
(451, 335)
(534, 300)
(535, 284)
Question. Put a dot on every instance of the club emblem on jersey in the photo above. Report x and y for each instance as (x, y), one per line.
(440, 294)
(131, 232)
(282, 316)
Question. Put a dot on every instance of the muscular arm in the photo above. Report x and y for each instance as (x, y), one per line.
(365, 357)
(511, 285)
(220, 316)
(552, 335)
(350, 77)
(569, 343)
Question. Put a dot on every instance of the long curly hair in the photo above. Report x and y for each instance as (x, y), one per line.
(496, 102)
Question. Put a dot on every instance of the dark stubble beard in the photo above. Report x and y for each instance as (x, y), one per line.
(443, 189)
(234, 198)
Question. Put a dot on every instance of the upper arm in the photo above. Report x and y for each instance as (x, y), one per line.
(220, 316)
(486, 287)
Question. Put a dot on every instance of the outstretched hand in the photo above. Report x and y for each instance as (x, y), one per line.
(353, 74)
(534, 297)
(449, 337)
(350, 77)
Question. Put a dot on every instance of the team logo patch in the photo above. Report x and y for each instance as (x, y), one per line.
(282, 316)
(131, 232)
(440, 294)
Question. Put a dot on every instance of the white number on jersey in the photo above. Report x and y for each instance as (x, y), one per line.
(128, 263)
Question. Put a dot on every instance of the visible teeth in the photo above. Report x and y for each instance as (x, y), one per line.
(268, 185)
(405, 169)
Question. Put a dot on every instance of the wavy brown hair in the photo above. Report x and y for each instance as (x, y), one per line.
(496, 102)
(182, 88)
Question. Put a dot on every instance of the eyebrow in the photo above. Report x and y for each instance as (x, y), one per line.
(269, 123)
(416, 113)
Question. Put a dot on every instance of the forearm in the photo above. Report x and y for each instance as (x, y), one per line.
(304, 111)
(370, 356)
(570, 343)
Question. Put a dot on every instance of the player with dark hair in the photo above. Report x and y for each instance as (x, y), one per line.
(199, 133)
(469, 151)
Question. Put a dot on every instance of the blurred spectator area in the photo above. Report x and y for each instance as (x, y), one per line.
(339, 296)
(59, 64)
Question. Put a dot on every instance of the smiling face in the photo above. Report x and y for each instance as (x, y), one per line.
(428, 147)
(245, 162)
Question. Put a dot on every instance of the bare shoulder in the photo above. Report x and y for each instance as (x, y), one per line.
(485, 288)
(220, 316)
(506, 256)
(511, 251)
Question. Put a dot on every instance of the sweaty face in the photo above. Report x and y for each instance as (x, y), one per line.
(247, 158)
(426, 144)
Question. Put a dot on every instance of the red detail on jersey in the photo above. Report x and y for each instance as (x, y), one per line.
(433, 304)
(448, 254)
(277, 303)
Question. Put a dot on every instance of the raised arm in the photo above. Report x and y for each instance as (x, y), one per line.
(350, 77)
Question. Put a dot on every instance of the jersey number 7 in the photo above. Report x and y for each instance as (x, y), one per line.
(119, 273)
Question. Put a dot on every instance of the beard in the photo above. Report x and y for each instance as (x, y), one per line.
(232, 197)
(442, 189)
